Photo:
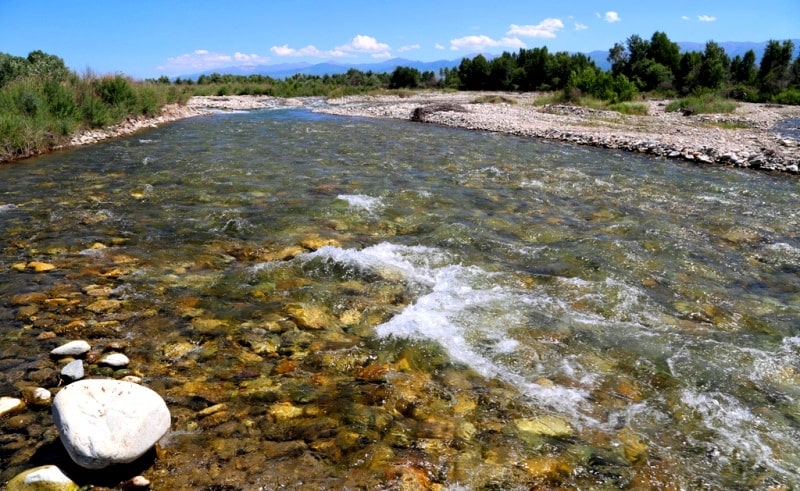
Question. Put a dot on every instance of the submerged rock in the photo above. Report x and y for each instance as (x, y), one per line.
(44, 478)
(106, 422)
(10, 404)
(73, 370)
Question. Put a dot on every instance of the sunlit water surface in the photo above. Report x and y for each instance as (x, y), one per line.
(379, 304)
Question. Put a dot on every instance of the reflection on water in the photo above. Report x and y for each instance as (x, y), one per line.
(328, 302)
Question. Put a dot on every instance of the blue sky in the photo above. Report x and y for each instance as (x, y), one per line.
(147, 38)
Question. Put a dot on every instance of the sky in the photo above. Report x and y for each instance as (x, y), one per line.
(148, 38)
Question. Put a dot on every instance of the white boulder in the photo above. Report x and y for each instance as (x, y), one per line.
(104, 422)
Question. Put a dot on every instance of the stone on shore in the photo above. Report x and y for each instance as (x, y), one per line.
(107, 422)
(44, 478)
(73, 348)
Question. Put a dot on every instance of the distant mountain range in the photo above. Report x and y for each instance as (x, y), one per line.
(285, 70)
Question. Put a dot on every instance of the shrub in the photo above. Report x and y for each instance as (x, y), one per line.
(788, 96)
(116, 91)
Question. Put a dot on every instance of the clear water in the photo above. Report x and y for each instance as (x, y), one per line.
(652, 307)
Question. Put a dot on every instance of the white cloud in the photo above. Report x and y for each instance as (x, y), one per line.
(285, 50)
(706, 18)
(611, 17)
(365, 44)
(203, 59)
(403, 49)
(545, 29)
(438, 46)
(686, 17)
(580, 27)
(479, 43)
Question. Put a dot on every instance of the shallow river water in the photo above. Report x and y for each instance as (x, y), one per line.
(333, 303)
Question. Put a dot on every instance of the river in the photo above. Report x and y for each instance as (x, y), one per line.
(327, 302)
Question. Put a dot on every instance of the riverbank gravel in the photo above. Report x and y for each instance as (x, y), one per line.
(744, 138)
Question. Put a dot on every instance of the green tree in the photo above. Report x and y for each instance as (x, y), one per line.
(773, 73)
(714, 66)
(404, 77)
(743, 68)
(664, 51)
(474, 73)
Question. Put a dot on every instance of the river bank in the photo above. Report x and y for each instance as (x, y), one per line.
(745, 138)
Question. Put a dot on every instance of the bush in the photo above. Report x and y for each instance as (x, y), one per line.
(116, 91)
(788, 96)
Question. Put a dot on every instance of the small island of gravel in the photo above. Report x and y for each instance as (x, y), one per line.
(745, 138)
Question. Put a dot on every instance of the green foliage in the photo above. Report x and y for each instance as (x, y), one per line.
(42, 104)
(773, 73)
(788, 96)
(405, 77)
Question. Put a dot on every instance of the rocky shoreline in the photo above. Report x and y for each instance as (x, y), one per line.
(745, 138)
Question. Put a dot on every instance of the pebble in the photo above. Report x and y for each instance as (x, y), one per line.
(73, 348)
(40, 267)
(115, 360)
(44, 478)
(104, 422)
(73, 370)
(36, 396)
(10, 404)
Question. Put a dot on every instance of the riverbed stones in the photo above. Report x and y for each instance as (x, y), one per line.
(44, 478)
(40, 267)
(544, 426)
(73, 370)
(72, 348)
(116, 360)
(36, 396)
(10, 405)
(105, 422)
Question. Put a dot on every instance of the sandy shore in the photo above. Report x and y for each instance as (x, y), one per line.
(745, 138)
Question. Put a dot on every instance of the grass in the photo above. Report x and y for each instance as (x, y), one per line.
(629, 108)
(703, 104)
(38, 114)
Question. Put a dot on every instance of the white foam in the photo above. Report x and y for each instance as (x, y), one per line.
(465, 309)
(8, 207)
(738, 434)
(361, 201)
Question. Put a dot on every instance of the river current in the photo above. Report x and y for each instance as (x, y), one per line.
(327, 302)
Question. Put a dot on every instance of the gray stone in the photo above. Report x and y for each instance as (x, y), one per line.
(73, 348)
(105, 422)
(73, 370)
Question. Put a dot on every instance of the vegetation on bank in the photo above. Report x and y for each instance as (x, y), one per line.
(43, 103)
